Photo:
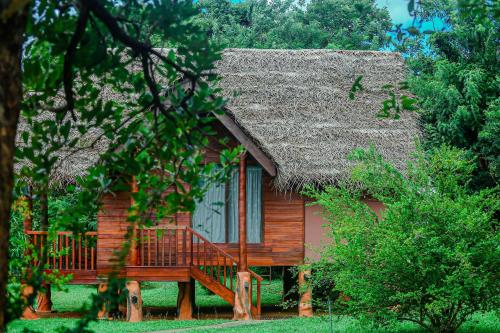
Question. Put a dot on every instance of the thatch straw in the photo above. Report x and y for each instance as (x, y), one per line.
(294, 104)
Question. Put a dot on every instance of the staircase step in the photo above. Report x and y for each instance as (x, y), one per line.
(213, 285)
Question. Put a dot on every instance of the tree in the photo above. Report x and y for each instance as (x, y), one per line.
(69, 57)
(432, 256)
(455, 77)
(337, 24)
(351, 25)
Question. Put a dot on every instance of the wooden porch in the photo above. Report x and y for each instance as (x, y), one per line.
(172, 253)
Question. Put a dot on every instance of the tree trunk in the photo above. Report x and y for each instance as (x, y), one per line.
(13, 16)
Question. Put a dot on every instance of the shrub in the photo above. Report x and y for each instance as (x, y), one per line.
(432, 258)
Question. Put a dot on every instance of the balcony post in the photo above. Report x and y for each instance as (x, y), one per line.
(242, 217)
(242, 309)
(133, 255)
(28, 216)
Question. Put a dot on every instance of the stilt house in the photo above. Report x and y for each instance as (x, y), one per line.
(291, 111)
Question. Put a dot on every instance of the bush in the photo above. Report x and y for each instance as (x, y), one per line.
(433, 256)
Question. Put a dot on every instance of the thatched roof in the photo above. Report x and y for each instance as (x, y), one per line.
(294, 105)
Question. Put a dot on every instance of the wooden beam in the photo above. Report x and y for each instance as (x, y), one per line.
(133, 256)
(28, 217)
(245, 140)
(242, 215)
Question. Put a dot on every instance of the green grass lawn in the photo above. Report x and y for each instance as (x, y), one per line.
(157, 295)
(163, 296)
(487, 323)
(51, 325)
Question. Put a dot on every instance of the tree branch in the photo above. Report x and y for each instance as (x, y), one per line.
(139, 47)
(70, 55)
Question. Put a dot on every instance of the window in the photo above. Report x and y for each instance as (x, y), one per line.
(209, 217)
(217, 212)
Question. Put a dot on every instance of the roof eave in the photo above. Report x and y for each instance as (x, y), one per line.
(245, 140)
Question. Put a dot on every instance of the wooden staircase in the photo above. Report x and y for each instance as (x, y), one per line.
(212, 267)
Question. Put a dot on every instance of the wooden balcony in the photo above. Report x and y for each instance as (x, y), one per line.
(163, 254)
(68, 254)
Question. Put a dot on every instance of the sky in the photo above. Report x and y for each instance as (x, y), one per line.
(398, 9)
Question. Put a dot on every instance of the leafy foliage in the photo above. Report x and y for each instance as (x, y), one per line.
(78, 55)
(456, 80)
(335, 24)
(432, 258)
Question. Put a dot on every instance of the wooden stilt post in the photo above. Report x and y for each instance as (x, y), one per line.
(186, 300)
(104, 312)
(26, 290)
(305, 303)
(134, 302)
(134, 298)
(44, 300)
(242, 298)
(26, 293)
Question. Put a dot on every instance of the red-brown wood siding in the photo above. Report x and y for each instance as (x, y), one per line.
(111, 228)
(283, 222)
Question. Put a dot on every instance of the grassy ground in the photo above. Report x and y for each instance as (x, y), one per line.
(163, 296)
(156, 295)
(51, 325)
(487, 323)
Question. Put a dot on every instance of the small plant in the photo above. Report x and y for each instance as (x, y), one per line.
(432, 258)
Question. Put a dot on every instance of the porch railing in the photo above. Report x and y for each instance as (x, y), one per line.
(66, 251)
(181, 246)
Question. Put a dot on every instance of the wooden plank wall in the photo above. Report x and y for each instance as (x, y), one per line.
(283, 230)
(111, 228)
(283, 222)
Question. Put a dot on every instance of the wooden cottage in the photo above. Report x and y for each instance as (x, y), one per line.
(291, 111)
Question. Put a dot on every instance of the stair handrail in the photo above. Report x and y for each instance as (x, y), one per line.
(257, 307)
(194, 232)
(259, 279)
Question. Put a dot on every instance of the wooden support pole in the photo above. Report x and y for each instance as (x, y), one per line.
(242, 309)
(28, 214)
(242, 217)
(26, 294)
(104, 312)
(134, 302)
(186, 300)
(305, 303)
(44, 300)
(133, 255)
